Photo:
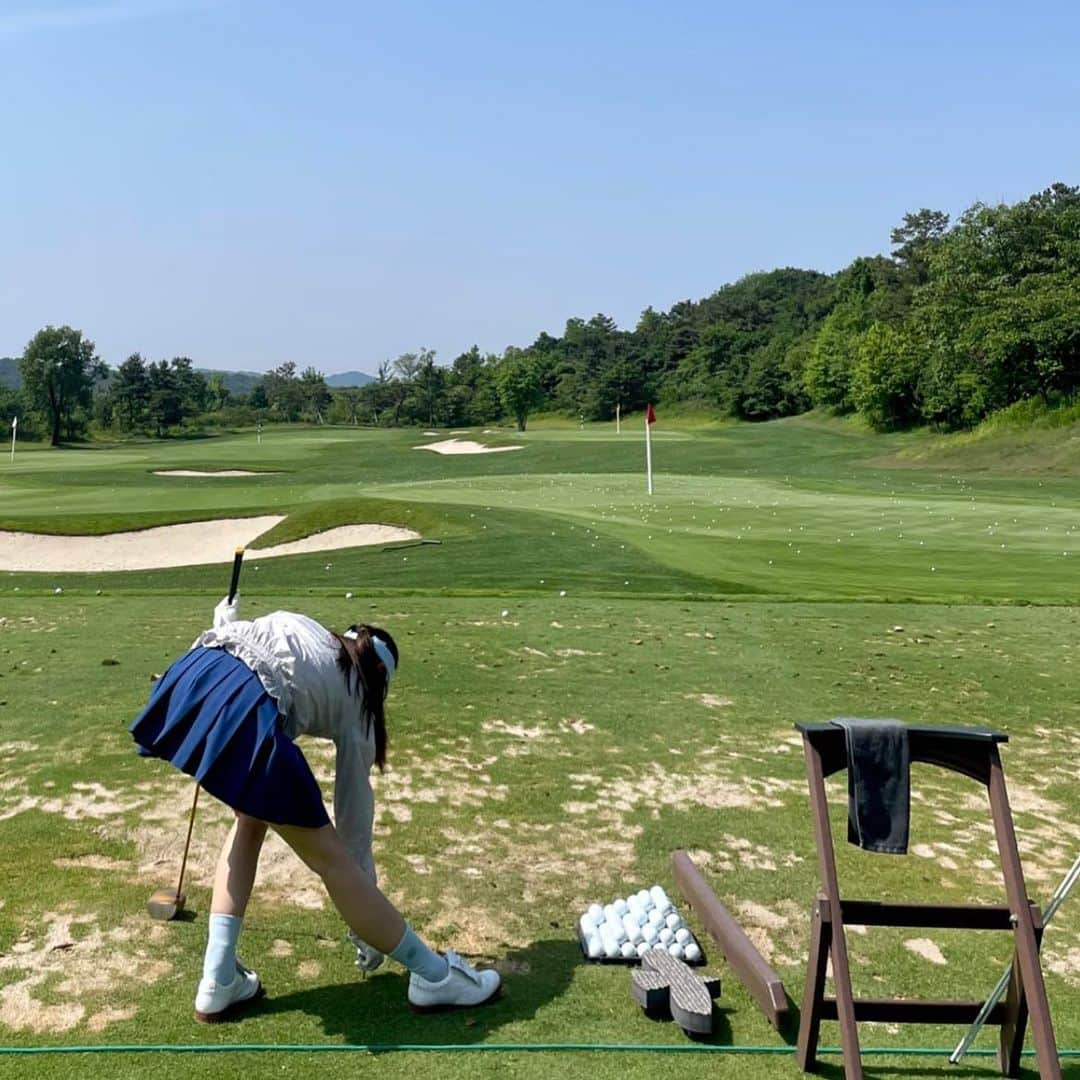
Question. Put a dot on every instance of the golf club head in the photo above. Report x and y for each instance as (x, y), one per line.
(165, 904)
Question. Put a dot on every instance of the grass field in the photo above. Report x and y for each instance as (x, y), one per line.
(552, 756)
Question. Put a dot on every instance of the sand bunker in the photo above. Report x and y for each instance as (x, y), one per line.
(193, 544)
(222, 472)
(464, 446)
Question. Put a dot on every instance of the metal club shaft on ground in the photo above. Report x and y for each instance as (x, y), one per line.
(998, 992)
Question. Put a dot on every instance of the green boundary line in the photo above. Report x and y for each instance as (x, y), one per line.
(447, 1048)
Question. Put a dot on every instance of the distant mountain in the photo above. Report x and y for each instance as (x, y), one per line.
(236, 382)
(349, 378)
(9, 372)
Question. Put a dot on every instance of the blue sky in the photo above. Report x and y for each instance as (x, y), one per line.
(252, 181)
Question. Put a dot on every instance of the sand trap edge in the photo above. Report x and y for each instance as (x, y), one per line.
(197, 543)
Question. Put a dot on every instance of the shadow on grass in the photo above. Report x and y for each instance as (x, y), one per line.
(375, 1011)
(831, 1068)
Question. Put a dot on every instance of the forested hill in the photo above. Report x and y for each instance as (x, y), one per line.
(9, 372)
(960, 320)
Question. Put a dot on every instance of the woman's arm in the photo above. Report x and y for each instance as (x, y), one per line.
(354, 801)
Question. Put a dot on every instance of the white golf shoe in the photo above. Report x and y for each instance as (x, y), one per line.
(215, 1001)
(462, 988)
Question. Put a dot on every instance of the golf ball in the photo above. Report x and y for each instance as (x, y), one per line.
(621, 907)
(673, 921)
(628, 951)
(676, 950)
(656, 918)
(666, 936)
(611, 949)
(595, 947)
(348, 596)
(649, 933)
(610, 914)
(643, 948)
(682, 935)
(659, 946)
(634, 934)
(658, 894)
(691, 951)
(504, 613)
(587, 925)
(596, 913)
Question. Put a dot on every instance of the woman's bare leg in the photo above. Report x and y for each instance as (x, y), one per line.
(358, 899)
(235, 875)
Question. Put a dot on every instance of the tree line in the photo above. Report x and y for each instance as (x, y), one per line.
(960, 319)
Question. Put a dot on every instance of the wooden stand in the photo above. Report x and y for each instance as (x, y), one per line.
(973, 752)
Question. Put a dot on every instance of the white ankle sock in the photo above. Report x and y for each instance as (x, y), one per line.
(416, 956)
(219, 963)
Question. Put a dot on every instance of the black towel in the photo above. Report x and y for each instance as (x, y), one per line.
(879, 784)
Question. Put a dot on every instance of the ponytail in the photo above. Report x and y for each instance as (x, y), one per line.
(366, 676)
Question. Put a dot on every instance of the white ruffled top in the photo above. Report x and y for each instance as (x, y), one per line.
(295, 658)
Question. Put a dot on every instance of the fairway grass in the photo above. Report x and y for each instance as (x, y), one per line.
(548, 757)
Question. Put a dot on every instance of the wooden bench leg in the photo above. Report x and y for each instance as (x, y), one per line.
(1030, 986)
(814, 990)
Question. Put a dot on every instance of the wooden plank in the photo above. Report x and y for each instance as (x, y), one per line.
(663, 984)
(819, 808)
(904, 1011)
(933, 916)
(740, 952)
(813, 991)
(1027, 948)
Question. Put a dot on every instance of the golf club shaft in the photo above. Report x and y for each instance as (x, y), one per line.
(187, 842)
(238, 562)
(998, 992)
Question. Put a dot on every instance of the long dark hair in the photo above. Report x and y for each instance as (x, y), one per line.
(366, 676)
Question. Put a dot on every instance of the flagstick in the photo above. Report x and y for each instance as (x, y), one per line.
(648, 451)
(14, 429)
(618, 420)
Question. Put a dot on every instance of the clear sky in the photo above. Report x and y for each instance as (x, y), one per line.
(336, 182)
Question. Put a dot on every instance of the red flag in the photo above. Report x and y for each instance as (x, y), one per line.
(650, 416)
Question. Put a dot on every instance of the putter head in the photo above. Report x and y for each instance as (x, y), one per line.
(165, 904)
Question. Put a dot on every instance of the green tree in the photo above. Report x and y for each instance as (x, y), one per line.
(191, 386)
(283, 392)
(886, 375)
(59, 368)
(519, 385)
(217, 392)
(130, 393)
(166, 408)
(314, 393)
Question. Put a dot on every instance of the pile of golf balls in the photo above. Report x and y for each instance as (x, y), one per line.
(627, 928)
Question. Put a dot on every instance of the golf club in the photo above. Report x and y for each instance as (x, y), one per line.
(166, 904)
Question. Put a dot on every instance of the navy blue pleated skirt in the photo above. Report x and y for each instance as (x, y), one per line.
(211, 717)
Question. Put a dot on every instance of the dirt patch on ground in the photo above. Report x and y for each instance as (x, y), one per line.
(72, 959)
(925, 948)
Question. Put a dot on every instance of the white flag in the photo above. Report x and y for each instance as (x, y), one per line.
(14, 422)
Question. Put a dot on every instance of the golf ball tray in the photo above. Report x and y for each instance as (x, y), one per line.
(624, 930)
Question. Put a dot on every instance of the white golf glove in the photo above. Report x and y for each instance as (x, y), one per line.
(226, 611)
(368, 958)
